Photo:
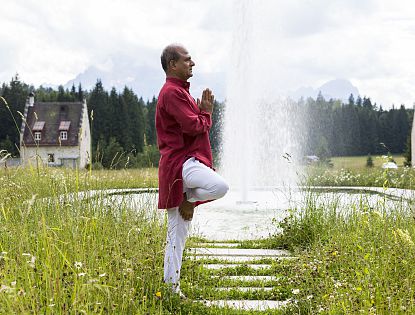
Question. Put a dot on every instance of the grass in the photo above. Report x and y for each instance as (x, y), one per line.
(93, 256)
(77, 256)
(352, 262)
(359, 162)
(403, 177)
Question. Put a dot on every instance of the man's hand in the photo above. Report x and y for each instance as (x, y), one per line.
(207, 101)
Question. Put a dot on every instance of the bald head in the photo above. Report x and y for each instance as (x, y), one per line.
(171, 52)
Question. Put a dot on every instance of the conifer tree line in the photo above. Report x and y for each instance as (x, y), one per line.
(123, 128)
(357, 127)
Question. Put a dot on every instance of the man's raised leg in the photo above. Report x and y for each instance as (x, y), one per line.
(201, 182)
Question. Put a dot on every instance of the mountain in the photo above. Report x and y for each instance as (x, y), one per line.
(122, 70)
(119, 72)
(335, 89)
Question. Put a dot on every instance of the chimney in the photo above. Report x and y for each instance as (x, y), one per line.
(31, 99)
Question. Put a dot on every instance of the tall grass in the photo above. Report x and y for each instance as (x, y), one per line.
(374, 177)
(358, 261)
(76, 256)
(63, 255)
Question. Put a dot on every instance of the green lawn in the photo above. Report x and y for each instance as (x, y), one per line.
(359, 162)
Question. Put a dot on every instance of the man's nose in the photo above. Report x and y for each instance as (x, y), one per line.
(193, 63)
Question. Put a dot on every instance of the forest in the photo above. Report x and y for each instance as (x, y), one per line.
(123, 130)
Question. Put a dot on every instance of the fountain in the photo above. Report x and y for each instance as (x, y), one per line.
(262, 136)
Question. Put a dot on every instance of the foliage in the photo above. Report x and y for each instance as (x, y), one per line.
(355, 128)
(351, 261)
(77, 255)
(398, 178)
(369, 161)
(408, 151)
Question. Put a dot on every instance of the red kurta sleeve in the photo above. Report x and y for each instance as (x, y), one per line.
(192, 120)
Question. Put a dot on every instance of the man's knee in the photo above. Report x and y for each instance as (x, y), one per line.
(221, 188)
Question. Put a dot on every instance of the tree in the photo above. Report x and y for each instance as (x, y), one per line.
(369, 161)
(98, 104)
(351, 99)
(151, 137)
(15, 94)
(408, 151)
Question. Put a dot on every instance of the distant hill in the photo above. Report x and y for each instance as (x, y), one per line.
(123, 70)
(144, 80)
(336, 89)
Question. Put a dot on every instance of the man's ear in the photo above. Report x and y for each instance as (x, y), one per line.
(172, 64)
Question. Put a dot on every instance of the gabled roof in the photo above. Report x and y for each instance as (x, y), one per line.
(54, 117)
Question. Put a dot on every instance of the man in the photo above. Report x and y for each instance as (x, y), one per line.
(186, 177)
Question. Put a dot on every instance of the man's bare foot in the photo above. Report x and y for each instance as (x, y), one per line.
(186, 209)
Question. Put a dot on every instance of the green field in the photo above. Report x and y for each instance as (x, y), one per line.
(88, 256)
(359, 162)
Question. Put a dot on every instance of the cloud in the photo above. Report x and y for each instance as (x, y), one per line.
(289, 44)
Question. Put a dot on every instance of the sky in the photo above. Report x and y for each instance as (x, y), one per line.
(279, 46)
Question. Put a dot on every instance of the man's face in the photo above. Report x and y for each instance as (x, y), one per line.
(182, 68)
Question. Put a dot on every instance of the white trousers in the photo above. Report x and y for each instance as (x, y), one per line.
(200, 183)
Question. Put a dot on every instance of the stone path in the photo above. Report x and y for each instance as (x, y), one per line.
(233, 272)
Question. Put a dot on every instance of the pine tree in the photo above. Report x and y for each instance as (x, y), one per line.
(98, 104)
(369, 161)
(408, 151)
(15, 94)
(151, 137)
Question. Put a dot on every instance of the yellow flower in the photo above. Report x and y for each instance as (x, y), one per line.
(158, 294)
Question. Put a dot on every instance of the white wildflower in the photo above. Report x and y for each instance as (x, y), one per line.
(296, 291)
(5, 288)
(81, 274)
(78, 265)
(32, 261)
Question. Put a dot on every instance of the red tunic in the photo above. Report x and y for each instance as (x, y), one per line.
(182, 132)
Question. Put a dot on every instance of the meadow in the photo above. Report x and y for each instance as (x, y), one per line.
(87, 256)
(359, 162)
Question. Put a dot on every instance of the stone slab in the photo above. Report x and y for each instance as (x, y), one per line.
(245, 289)
(223, 266)
(260, 253)
(249, 305)
(211, 245)
(248, 278)
(239, 259)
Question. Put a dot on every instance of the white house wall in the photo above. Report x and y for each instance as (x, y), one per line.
(28, 154)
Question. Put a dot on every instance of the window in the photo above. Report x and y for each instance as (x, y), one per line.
(38, 126)
(64, 125)
(64, 135)
(38, 135)
(51, 158)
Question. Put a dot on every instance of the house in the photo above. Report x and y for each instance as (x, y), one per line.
(57, 133)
